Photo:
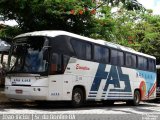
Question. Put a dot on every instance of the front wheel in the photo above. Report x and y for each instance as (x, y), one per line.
(77, 97)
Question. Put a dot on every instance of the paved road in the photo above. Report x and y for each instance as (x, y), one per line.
(119, 111)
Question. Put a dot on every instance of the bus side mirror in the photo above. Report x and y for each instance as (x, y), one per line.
(46, 47)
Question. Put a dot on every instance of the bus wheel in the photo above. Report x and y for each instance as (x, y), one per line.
(137, 98)
(77, 97)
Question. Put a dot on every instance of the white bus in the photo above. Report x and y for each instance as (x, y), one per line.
(62, 66)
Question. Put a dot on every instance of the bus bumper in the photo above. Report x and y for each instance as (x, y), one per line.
(26, 93)
(158, 95)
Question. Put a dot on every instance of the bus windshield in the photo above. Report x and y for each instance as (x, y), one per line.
(27, 55)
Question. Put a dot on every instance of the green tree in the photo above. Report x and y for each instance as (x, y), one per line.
(139, 30)
(148, 34)
(70, 15)
(10, 32)
(76, 16)
(128, 4)
(125, 23)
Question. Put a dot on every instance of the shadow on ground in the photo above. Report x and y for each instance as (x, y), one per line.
(65, 105)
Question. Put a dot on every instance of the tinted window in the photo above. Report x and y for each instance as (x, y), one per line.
(82, 49)
(58, 63)
(142, 63)
(151, 65)
(130, 60)
(62, 45)
(145, 63)
(101, 54)
(117, 57)
(114, 57)
(120, 58)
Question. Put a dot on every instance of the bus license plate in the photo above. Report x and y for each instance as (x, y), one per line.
(19, 91)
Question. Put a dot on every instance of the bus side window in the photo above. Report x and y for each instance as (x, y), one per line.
(142, 63)
(58, 63)
(151, 66)
(81, 48)
(101, 54)
(117, 58)
(65, 62)
(54, 63)
(134, 61)
(120, 58)
(114, 57)
(130, 60)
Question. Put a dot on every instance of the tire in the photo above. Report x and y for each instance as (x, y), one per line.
(77, 97)
(136, 100)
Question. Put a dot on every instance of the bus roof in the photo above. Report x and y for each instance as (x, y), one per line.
(54, 33)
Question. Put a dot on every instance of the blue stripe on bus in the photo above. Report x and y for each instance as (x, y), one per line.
(91, 95)
(119, 96)
(120, 93)
(127, 98)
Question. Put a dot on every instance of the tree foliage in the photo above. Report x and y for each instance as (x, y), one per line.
(71, 15)
(148, 34)
(127, 4)
(139, 30)
(9, 32)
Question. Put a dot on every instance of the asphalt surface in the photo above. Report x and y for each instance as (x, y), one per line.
(91, 111)
(20, 110)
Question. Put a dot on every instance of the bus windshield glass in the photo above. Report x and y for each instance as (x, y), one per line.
(27, 55)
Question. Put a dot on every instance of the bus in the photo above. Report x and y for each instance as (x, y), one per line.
(62, 66)
(158, 84)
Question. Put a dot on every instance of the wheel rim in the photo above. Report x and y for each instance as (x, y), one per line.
(77, 97)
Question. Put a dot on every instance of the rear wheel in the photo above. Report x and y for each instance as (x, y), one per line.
(77, 97)
(136, 100)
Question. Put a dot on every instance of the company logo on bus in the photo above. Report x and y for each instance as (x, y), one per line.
(78, 67)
